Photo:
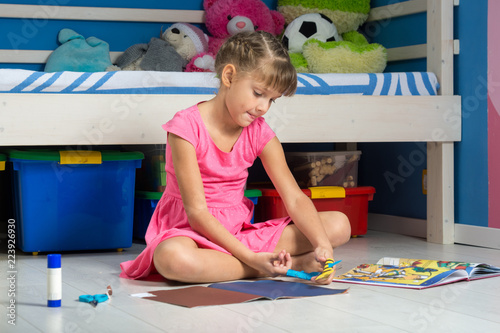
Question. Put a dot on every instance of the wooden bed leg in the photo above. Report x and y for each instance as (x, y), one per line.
(440, 192)
(440, 188)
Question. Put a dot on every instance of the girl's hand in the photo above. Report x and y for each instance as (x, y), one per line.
(273, 264)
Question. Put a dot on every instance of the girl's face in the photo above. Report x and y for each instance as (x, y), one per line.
(248, 99)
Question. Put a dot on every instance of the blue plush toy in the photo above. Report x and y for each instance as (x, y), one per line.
(78, 54)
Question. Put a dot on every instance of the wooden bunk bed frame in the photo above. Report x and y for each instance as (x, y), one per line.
(83, 120)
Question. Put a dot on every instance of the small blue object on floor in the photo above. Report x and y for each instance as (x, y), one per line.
(301, 275)
(93, 299)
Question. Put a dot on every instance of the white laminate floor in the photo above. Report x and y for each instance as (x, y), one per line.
(459, 307)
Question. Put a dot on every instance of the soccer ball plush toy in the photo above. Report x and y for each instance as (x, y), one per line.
(350, 53)
(348, 15)
(309, 26)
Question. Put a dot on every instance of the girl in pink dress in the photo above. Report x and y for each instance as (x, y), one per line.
(200, 231)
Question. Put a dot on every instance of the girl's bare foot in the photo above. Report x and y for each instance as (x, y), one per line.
(306, 262)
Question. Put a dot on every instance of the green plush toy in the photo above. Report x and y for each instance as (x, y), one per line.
(345, 51)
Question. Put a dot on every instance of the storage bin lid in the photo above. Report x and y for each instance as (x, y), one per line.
(349, 191)
(148, 195)
(325, 192)
(253, 193)
(55, 155)
(361, 190)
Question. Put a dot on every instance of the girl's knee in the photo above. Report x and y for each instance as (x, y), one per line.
(338, 227)
(174, 262)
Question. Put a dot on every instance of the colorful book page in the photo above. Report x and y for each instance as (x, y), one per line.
(416, 273)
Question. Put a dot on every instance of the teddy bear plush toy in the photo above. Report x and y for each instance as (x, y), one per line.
(172, 52)
(322, 37)
(187, 39)
(224, 18)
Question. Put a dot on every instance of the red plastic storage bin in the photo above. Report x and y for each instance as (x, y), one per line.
(351, 201)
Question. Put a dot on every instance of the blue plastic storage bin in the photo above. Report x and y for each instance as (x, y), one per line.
(75, 206)
(145, 205)
(253, 195)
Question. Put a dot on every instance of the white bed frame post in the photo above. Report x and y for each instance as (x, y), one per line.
(440, 178)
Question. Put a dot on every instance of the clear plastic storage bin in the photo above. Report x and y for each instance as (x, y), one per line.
(330, 168)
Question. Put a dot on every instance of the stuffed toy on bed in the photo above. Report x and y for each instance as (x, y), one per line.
(322, 37)
(224, 18)
(78, 54)
(189, 41)
(157, 55)
(170, 53)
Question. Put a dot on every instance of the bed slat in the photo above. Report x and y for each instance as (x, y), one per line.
(100, 13)
(40, 56)
(24, 56)
(407, 52)
(397, 10)
(35, 56)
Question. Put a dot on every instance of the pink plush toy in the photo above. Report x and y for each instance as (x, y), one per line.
(224, 18)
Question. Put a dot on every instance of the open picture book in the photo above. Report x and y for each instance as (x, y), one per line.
(416, 273)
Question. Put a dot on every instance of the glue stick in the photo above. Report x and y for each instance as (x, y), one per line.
(54, 280)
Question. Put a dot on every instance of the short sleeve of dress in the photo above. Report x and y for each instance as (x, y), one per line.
(184, 125)
(260, 135)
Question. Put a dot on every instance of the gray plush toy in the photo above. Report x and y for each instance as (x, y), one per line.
(177, 46)
(157, 55)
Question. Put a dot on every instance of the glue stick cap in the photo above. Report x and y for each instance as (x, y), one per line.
(53, 261)
(54, 304)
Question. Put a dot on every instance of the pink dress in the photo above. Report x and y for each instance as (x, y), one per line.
(224, 176)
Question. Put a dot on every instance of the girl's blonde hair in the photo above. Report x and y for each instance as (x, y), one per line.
(262, 56)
